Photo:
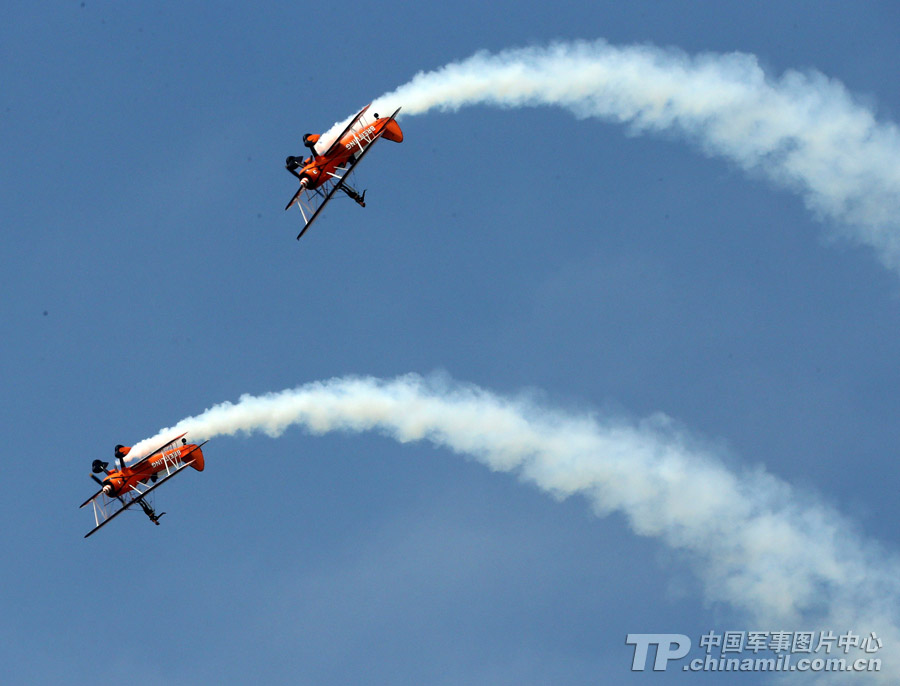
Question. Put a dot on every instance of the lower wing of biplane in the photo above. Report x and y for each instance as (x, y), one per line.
(312, 201)
(106, 508)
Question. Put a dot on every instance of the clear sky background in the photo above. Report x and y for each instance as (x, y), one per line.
(148, 272)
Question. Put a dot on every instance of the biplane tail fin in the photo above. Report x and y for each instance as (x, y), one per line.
(392, 131)
(195, 459)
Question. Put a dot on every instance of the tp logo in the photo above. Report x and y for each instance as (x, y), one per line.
(668, 647)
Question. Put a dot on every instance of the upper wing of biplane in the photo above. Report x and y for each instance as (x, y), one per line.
(314, 200)
(93, 496)
(161, 448)
(344, 132)
(102, 513)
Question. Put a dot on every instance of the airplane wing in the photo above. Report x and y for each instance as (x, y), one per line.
(159, 449)
(346, 129)
(135, 496)
(335, 186)
(90, 499)
(339, 179)
(364, 150)
(295, 198)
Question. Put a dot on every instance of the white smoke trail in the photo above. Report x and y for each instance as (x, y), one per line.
(782, 558)
(803, 131)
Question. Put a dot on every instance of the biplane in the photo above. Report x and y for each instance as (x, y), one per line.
(325, 172)
(131, 485)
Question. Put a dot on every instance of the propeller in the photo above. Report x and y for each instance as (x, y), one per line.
(102, 485)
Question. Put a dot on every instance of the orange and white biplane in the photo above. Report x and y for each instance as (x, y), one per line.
(130, 485)
(325, 172)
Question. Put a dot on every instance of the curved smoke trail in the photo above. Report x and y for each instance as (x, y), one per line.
(782, 558)
(803, 131)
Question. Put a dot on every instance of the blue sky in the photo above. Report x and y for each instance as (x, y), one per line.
(149, 273)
